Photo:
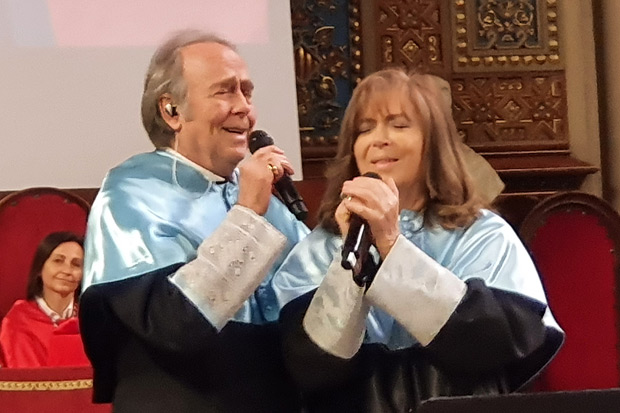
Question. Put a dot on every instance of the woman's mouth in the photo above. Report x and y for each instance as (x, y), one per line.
(384, 163)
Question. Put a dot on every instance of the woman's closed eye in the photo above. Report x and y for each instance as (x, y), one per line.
(400, 122)
(364, 128)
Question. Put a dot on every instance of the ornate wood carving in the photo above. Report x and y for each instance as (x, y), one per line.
(46, 385)
(412, 34)
(502, 58)
(543, 171)
(511, 112)
(491, 35)
(327, 47)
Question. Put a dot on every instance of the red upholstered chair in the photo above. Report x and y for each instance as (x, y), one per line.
(574, 239)
(48, 390)
(26, 217)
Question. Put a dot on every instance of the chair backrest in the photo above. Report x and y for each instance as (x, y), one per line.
(26, 217)
(312, 191)
(574, 239)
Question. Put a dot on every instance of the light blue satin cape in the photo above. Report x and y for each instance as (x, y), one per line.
(155, 209)
(488, 249)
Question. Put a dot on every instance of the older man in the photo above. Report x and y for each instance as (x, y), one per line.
(181, 246)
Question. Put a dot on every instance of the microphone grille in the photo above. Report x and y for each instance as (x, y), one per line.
(372, 175)
(258, 139)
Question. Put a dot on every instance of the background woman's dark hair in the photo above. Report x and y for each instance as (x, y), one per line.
(43, 252)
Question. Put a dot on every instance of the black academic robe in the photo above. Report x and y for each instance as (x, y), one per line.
(148, 359)
(494, 342)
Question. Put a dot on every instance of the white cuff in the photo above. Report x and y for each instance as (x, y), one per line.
(230, 265)
(336, 317)
(416, 290)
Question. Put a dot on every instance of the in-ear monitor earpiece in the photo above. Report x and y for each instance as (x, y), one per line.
(171, 109)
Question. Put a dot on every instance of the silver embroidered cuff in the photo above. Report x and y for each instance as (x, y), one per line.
(336, 318)
(416, 290)
(230, 265)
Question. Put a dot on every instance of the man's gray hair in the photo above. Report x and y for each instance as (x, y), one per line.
(165, 75)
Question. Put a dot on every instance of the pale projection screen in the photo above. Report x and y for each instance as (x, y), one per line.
(71, 75)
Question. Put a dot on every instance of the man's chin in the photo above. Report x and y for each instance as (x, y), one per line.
(239, 154)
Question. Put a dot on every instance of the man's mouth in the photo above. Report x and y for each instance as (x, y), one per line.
(235, 130)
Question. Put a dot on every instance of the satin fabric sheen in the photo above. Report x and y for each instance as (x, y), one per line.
(155, 209)
(488, 249)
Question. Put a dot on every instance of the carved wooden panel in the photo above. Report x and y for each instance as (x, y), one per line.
(413, 34)
(502, 58)
(327, 49)
(511, 112)
(492, 35)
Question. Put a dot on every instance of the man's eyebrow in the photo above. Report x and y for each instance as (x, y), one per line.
(245, 84)
(224, 83)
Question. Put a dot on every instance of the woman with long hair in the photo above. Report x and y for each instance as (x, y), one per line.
(27, 336)
(445, 301)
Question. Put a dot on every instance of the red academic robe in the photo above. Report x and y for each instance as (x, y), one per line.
(28, 338)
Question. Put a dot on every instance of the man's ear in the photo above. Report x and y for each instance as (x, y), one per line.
(169, 112)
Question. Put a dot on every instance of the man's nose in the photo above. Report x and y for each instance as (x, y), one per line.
(241, 104)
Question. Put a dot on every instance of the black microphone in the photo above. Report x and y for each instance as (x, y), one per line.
(357, 243)
(289, 195)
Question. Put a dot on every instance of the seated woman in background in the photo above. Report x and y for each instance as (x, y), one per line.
(447, 302)
(43, 329)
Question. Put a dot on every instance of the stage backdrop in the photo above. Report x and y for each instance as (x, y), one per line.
(71, 76)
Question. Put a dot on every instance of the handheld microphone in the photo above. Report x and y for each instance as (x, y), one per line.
(289, 195)
(357, 243)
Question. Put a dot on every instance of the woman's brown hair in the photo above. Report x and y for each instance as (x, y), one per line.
(43, 252)
(451, 199)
